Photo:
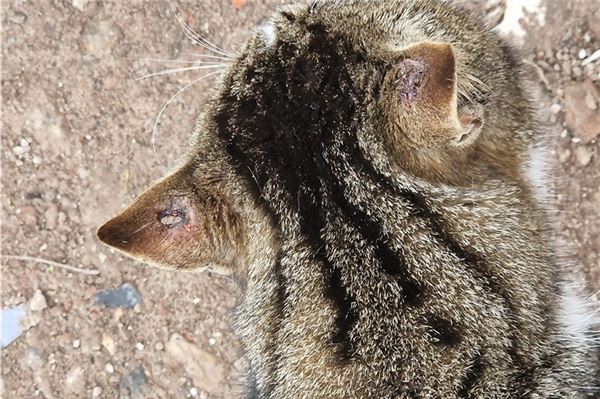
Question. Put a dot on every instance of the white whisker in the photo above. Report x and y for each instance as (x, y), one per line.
(176, 70)
(176, 61)
(195, 36)
(209, 56)
(153, 141)
(202, 41)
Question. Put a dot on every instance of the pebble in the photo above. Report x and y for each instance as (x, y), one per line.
(20, 151)
(76, 344)
(582, 54)
(205, 370)
(139, 346)
(79, 4)
(125, 296)
(18, 17)
(11, 324)
(563, 156)
(108, 344)
(109, 368)
(96, 392)
(555, 108)
(159, 346)
(583, 154)
(193, 392)
(134, 382)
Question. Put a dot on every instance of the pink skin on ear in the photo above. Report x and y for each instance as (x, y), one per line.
(411, 75)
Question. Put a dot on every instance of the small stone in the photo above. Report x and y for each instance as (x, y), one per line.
(555, 108)
(36, 160)
(203, 368)
(18, 17)
(582, 54)
(96, 392)
(79, 4)
(109, 368)
(583, 155)
(238, 4)
(37, 302)
(108, 344)
(139, 346)
(125, 296)
(20, 151)
(11, 324)
(193, 392)
(577, 72)
(76, 344)
(563, 156)
(159, 346)
(134, 383)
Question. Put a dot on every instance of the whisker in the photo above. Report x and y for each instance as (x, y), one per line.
(153, 141)
(176, 61)
(176, 70)
(202, 40)
(209, 56)
(195, 36)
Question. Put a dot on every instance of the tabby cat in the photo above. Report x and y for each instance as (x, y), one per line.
(371, 171)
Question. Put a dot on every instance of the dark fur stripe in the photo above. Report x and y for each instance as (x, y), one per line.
(277, 322)
(475, 263)
(472, 376)
(372, 232)
(313, 222)
(443, 332)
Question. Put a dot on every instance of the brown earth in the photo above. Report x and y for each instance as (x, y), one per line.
(76, 148)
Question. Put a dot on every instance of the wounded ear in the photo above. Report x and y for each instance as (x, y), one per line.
(424, 80)
(175, 226)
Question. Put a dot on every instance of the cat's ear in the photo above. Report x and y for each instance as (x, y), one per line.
(175, 225)
(424, 83)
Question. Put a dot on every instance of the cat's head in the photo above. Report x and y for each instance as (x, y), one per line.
(393, 86)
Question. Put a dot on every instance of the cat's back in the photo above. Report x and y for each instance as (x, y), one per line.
(390, 142)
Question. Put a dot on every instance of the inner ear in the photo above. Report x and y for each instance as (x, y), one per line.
(470, 125)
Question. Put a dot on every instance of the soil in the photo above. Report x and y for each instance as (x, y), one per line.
(77, 148)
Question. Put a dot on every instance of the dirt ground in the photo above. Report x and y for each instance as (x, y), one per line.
(76, 148)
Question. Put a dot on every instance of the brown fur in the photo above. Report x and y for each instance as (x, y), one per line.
(365, 176)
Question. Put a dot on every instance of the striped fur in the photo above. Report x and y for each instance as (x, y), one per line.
(379, 263)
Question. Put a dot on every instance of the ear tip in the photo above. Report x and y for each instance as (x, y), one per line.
(107, 234)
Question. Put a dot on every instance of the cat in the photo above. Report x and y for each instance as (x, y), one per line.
(369, 169)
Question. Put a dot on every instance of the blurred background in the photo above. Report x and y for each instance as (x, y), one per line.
(77, 147)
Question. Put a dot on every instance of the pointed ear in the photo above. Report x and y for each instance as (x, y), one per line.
(425, 82)
(175, 225)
